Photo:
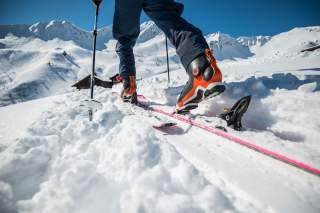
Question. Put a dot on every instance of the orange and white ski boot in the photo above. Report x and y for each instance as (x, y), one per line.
(205, 81)
(128, 93)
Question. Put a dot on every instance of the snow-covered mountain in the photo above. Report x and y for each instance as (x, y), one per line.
(226, 47)
(292, 42)
(148, 30)
(44, 58)
(254, 40)
(62, 30)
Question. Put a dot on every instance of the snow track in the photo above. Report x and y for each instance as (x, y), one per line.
(247, 174)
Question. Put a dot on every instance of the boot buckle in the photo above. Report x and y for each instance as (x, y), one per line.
(195, 72)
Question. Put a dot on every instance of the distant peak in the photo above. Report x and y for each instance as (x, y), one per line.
(219, 36)
(52, 23)
(147, 24)
(148, 30)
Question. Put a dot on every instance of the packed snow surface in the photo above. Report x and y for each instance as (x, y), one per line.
(52, 159)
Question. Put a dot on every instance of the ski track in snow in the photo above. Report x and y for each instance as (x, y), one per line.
(52, 159)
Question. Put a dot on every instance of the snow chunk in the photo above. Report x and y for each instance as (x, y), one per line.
(6, 198)
(311, 87)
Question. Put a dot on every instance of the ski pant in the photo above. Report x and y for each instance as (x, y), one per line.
(187, 39)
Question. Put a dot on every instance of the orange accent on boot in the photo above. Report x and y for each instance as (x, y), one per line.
(198, 81)
(132, 88)
(217, 76)
(132, 85)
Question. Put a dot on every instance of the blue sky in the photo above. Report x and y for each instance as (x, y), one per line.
(235, 17)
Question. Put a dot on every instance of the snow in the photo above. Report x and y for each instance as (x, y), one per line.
(16, 118)
(287, 43)
(255, 41)
(52, 159)
(142, 173)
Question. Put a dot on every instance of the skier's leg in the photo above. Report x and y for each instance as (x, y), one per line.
(187, 39)
(204, 75)
(126, 29)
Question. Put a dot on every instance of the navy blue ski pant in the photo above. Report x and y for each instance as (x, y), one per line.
(166, 14)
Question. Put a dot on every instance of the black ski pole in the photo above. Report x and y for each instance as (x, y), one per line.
(95, 33)
(168, 69)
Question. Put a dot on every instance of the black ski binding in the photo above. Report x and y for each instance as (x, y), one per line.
(234, 115)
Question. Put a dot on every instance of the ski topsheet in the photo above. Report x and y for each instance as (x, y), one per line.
(220, 132)
(159, 122)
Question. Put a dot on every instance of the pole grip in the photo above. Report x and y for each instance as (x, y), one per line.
(97, 2)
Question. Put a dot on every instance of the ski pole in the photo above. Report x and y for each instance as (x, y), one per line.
(168, 69)
(95, 33)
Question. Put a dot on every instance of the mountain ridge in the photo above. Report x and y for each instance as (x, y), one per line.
(63, 30)
(244, 45)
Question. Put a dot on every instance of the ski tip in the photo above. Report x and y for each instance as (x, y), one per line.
(169, 129)
(247, 97)
(164, 125)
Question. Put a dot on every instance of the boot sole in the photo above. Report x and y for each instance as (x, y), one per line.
(131, 99)
(215, 90)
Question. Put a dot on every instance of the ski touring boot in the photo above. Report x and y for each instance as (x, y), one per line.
(205, 81)
(129, 93)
